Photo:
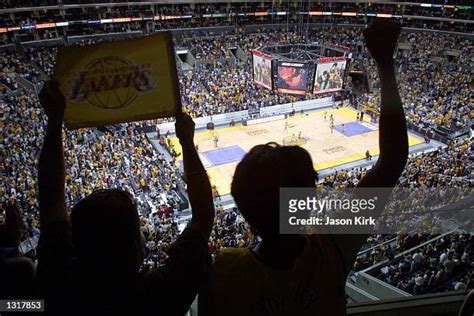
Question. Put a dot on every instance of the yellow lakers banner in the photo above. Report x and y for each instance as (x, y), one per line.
(118, 82)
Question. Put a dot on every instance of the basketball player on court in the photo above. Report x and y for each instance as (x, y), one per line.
(216, 140)
(286, 127)
(331, 126)
(325, 114)
(343, 126)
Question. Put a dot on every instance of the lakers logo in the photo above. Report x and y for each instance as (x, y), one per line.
(111, 82)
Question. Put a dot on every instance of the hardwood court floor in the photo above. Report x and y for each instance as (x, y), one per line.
(327, 149)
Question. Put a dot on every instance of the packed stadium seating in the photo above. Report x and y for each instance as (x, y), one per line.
(439, 266)
(436, 92)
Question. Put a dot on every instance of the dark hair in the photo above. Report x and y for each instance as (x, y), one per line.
(259, 177)
(106, 231)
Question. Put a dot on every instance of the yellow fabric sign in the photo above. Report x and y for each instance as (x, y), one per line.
(118, 82)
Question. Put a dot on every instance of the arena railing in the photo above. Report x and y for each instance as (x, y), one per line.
(447, 303)
(242, 55)
(45, 42)
(220, 29)
(115, 35)
(7, 47)
(403, 253)
(62, 6)
(190, 59)
(10, 93)
(390, 241)
(256, 27)
(25, 83)
(376, 287)
(436, 134)
(356, 294)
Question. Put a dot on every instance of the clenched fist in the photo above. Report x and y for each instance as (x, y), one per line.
(381, 38)
(184, 128)
(52, 100)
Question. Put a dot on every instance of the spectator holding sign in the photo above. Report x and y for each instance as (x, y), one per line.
(89, 263)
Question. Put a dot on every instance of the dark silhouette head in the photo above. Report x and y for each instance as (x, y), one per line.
(259, 177)
(106, 234)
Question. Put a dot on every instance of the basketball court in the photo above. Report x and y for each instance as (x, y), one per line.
(347, 142)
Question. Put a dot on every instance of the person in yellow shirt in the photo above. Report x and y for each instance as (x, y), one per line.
(301, 274)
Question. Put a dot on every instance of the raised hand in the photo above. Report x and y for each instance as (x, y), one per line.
(51, 172)
(53, 100)
(199, 187)
(184, 129)
(381, 38)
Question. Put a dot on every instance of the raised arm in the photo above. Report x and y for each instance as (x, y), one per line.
(381, 39)
(199, 187)
(189, 259)
(51, 174)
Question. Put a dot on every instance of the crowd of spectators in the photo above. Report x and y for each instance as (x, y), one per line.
(385, 246)
(126, 159)
(450, 167)
(93, 159)
(204, 11)
(231, 88)
(426, 78)
(208, 49)
(12, 64)
(436, 92)
(206, 15)
(44, 57)
(440, 104)
(441, 265)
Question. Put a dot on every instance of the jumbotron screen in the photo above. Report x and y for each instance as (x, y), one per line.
(262, 69)
(329, 75)
(292, 78)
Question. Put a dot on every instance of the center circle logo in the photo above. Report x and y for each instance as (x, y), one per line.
(121, 96)
(111, 82)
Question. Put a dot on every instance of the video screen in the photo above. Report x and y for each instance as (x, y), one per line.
(292, 78)
(329, 75)
(262, 69)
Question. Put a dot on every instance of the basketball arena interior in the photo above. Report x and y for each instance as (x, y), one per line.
(256, 72)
